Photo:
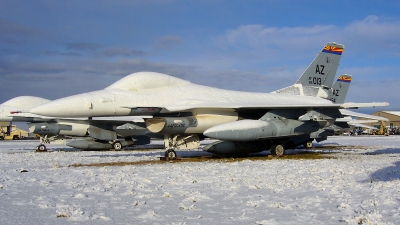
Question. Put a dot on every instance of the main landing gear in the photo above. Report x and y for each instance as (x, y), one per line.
(179, 142)
(117, 146)
(277, 150)
(308, 145)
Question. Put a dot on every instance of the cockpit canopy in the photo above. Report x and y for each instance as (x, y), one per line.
(147, 80)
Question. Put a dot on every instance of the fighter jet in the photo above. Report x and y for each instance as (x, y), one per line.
(105, 133)
(21, 104)
(350, 115)
(97, 133)
(185, 113)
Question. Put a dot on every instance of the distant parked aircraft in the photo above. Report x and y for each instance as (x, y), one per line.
(105, 133)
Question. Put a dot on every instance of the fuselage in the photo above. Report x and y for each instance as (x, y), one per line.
(176, 96)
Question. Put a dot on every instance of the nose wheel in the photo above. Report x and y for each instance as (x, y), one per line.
(170, 154)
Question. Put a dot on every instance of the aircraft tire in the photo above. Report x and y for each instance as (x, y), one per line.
(308, 145)
(277, 150)
(41, 148)
(170, 154)
(117, 145)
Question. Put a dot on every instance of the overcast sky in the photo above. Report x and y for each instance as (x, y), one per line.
(54, 49)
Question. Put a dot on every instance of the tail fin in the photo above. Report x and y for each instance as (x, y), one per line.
(319, 75)
(339, 89)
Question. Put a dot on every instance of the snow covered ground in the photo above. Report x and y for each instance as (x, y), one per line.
(358, 183)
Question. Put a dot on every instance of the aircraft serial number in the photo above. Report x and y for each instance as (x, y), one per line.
(315, 80)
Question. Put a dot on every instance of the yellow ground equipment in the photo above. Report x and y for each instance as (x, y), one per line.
(11, 132)
(382, 130)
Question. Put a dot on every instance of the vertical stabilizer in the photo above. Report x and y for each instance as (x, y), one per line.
(319, 75)
(323, 69)
(339, 89)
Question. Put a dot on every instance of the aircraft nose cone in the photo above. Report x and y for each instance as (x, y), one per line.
(73, 106)
(42, 110)
(5, 115)
(5, 118)
(52, 109)
(91, 104)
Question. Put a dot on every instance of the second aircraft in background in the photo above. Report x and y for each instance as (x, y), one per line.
(100, 133)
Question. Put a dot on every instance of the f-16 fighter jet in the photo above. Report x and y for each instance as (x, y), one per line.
(245, 122)
(104, 133)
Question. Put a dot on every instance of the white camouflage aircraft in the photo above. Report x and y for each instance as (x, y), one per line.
(104, 133)
(245, 122)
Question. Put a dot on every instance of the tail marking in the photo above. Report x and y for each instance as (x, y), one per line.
(333, 50)
(344, 78)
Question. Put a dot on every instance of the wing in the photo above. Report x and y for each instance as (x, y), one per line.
(355, 124)
(190, 106)
(362, 115)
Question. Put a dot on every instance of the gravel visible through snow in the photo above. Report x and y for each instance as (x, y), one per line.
(357, 181)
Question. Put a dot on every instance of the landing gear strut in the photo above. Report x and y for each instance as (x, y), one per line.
(178, 142)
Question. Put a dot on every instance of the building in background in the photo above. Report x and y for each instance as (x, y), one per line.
(392, 125)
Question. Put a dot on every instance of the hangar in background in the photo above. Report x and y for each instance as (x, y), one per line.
(393, 125)
(392, 116)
